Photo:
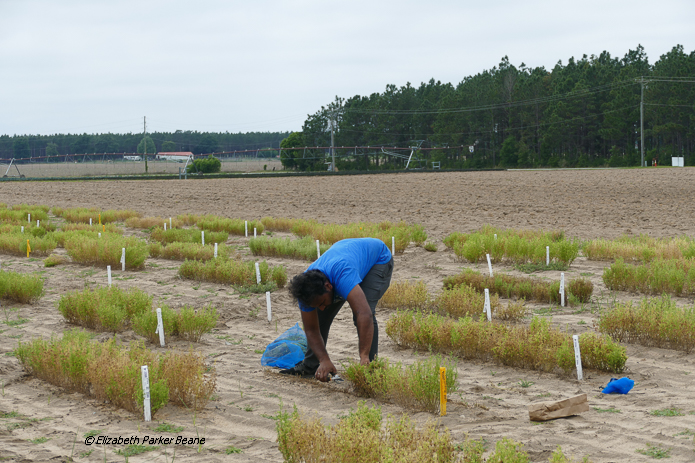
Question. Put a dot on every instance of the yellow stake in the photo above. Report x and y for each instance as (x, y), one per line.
(442, 391)
(99, 219)
(28, 248)
(103, 228)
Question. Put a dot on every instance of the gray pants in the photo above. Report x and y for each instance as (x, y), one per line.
(374, 285)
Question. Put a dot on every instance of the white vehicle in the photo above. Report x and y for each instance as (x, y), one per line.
(175, 156)
(132, 158)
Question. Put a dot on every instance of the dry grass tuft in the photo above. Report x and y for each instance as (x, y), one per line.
(279, 224)
(406, 295)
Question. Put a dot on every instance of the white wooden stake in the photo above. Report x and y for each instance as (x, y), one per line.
(122, 259)
(29, 218)
(38, 223)
(495, 235)
(165, 226)
(562, 289)
(547, 255)
(258, 274)
(90, 221)
(146, 392)
(170, 227)
(318, 249)
(393, 245)
(160, 327)
(108, 272)
(267, 303)
(254, 232)
(99, 234)
(215, 250)
(578, 357)
(246, 228)
(202, 237)
(489, 264)
(22, 228)
(487, 309)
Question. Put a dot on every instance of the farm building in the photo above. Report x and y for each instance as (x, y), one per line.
(179, 156)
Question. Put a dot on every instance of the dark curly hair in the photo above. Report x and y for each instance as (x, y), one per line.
(307, 286)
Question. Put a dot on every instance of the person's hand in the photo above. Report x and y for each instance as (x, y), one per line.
(325, 368)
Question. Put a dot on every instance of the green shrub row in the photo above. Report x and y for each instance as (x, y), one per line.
(303, 248)
(107, 250)
(20, 287)
(21, 216)
(534, 347)
(188, 235)
(231, 226)
(672, 276)
(654, 322)
(189, 324)
(232, 272)
(111, 372)
(518, 246)
(83, 214)
(529, 289)
(191, 251)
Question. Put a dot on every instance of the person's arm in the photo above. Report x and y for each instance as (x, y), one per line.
(363, 320)
(315, 341)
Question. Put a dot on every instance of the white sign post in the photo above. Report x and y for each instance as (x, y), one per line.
(170, 227)
(202, 237)
(254, 232)
(258, 274)
(29, 218)
(246, 228)
(393, 245)
(22, 228)
(495, 235)
(489, 264)
(160, 327)
(165, 226)
(547, 256)
(215, 250)
(562, 289)
(99, 234)
(37, 223)
(146, 392)
(108, 273)
(318, 249)
(487, 308)
(122, 259)
(578, 357)
(267, 303)
(90, 221)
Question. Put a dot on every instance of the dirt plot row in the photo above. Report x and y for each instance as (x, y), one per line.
(492, 402)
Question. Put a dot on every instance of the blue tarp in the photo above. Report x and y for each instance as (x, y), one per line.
(287, 350)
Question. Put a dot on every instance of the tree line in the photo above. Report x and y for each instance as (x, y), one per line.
(38, 146)
(580, 114)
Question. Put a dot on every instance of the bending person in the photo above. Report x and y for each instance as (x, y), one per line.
(357, 270)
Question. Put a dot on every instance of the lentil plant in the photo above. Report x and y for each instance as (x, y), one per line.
(674, 276)
(182, 251)
(188, 324)
(518, 246)
(303, 248)
(654, 322)
(16, 243)
(104, 309)
(231, 226)
(530, 289)
(415, 386)
(186, 235)
(90, 250)
(19, 287)
(232, 272)
(111, 372)
(535, 347)
(642, 248)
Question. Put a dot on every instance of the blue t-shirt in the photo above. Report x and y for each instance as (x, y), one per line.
(347, 262)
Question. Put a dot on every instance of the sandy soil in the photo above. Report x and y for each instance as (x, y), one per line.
(491, 403)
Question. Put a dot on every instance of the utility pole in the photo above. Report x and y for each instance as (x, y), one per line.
(332, 142)
(641, 122)
(144, 138)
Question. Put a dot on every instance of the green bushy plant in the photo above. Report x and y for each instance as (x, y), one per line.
(107, 250)
(104, 309)
(231, 226)
(189, 324)
(19, 287)
(16, 243)
(232, 272)
(303, 248)
(672, 276)
(208, 165)
(186, 235)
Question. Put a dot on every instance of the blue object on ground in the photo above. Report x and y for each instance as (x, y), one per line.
(619, 386)
(287, 350)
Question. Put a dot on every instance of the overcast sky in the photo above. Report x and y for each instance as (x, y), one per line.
(240, 66)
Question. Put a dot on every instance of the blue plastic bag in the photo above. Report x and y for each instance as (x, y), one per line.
(287, 350)
(619, 386)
